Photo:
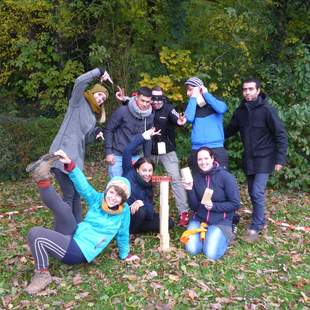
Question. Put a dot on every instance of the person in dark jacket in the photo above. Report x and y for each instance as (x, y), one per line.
(214, 214)
(127, 121)
(143, 216)
(205, 112)
(164, 148)
(78, 129)
(265, 146)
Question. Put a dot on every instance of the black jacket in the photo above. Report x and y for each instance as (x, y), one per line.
(122, 127)
(166, 120)
(225, 198)
(262, 133)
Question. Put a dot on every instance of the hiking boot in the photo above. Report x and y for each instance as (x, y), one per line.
(39, 281)
(40, 169)
(251, 236)
(183, 219)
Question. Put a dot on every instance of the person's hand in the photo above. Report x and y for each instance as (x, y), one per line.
(196, 92)
(100, 135)
(120, 94)
(203, 89)
(135, 206)
(187, 185)
(181, 120)
(63, 156)
(209, 205)
(105, 77)
(131, 258)
(278, 167)
(110, 159)
(148, 134)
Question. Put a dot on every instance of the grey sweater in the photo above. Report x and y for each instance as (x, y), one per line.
(78, 126)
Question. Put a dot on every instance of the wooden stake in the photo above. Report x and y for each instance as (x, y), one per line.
(163, 211)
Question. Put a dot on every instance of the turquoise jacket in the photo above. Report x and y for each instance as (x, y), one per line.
(98, 228)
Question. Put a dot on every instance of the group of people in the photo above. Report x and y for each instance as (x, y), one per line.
(146, 122)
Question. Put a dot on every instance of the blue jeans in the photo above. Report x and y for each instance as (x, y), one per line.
(256, 188)
(117, 169)
(214, 246)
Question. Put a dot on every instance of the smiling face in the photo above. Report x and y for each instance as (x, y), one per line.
(145, 171)
(143, 102)
(100, 97)
(250, 91)
(204, 160)
(112, 198)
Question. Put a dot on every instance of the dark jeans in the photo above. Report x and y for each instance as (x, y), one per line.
(256, 188)
(220, 155)
(140, 224)
(70, 195)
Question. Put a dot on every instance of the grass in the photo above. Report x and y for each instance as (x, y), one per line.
(271, 274)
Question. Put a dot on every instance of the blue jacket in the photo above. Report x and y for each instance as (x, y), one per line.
(225, 198)
(207, 122)
(140, 190)
(98, 228)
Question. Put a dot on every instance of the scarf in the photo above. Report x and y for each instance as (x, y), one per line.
(92, 102)
(136, 112)
(114, 210)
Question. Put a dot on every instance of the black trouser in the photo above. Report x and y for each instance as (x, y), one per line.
(140, 224)
(70, 195)
(220, 155)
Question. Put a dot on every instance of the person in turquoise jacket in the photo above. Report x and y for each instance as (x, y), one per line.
(108, 217)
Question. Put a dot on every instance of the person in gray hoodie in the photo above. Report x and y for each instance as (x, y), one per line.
(79, 128)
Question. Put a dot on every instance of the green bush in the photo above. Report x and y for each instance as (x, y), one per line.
(23, 141)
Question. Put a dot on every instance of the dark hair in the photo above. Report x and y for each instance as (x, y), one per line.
(145, 91)
(157, 88)
(252, 80)
(143, 160)
(205, 148)
(119, 191)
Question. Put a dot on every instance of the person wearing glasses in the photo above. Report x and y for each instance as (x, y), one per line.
(164, 148)
(126, 122)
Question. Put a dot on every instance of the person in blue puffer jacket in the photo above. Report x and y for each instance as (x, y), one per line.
(139, 174)
(108, 217)
(215, 214)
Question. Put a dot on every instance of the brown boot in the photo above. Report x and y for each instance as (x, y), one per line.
(40, 169)
(39, 281)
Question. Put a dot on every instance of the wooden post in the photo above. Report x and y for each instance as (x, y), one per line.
(163, 211)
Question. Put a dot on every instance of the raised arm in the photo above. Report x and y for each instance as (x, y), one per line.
(87, 192)
(217, 105)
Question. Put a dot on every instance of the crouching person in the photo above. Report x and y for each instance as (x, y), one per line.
(108, 216)
(213, 195)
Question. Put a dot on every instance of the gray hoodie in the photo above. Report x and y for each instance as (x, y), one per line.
(78, 126)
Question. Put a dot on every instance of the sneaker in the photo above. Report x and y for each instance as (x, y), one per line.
(39, 281)
(251, 236)
(234, 231)
(40, 169)
(184, 219)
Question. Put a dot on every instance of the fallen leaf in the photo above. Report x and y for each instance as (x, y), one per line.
(77, 280)
(173, 277)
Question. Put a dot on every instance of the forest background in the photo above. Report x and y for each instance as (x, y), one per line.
(45, 45)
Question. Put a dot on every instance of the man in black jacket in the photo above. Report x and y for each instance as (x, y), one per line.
(164, 148)
(265, 146)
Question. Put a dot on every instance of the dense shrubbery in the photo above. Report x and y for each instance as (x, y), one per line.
(45, 45)
(22, 141)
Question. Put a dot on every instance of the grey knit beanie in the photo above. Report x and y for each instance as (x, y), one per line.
(194, 81)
